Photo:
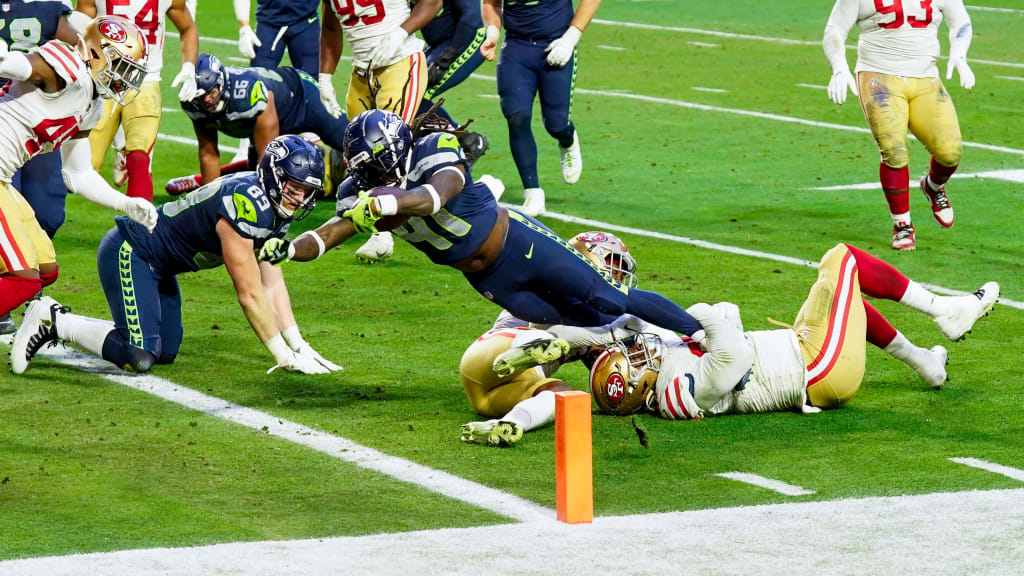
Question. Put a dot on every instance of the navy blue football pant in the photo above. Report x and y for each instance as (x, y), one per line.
(40, 183)
(145, 307)
(302, 39)
(309, 115)
(541, 278)
(523, 73)
(465, 64)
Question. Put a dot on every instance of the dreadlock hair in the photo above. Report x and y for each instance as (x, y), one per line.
(430, 122)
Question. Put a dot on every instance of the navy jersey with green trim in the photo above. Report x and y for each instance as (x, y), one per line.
(247, 90)
(27, 24)
(285, 12)
(185, 238)
(537, 19)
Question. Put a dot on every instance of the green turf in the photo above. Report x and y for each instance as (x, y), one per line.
(87, 465)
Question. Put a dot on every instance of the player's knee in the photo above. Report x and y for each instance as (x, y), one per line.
(559, 128)
(948, 156)
(48, 274)
(518, 121)
(124, 355)
(896, 156)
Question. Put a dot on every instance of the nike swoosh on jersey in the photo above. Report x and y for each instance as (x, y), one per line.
(311, 20)
(530, 253)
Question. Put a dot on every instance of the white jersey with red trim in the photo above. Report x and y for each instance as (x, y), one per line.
(898, 37)
(363, 33)
(151, 18)
(33, 121)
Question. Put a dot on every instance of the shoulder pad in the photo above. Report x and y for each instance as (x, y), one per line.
(63, 60)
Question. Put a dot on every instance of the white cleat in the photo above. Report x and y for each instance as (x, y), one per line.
(533, 202)
(497, 187)
(964, 311)
(379, 248)
(572, 161)
(120, 167)
(37, 329)
(933, 369)
(500, 433)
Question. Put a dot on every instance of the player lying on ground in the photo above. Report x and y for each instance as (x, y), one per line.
(223, 222)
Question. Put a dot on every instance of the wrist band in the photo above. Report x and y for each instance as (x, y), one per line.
(387, 205)
(435, 197)
(320, 248)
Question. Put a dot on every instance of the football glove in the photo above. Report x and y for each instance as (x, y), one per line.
(142, 211)
(187, 80)
(560, 50)
(387, 47)
(327, 96)
(298, 362)
(362, 214)
(299, 345)
(966, 75)
(247, 42)
(841, 81)
(277, 251)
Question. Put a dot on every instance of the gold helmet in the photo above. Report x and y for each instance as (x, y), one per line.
(623, 377)
(609, 252)
(116, 52)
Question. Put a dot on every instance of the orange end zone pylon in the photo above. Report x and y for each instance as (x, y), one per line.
(574, 467)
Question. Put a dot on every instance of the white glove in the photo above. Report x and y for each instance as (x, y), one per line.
(387, 47)
(187, 79)
(247, 42)
(291, 360)
(560, 49)
(626, 326)
(731, 313)
(327, 96)
(141, 211)
(840, 82)
(966, 75)
(299, 345)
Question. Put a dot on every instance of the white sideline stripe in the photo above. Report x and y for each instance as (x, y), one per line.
(1016, 78)
(192, 142)
(703, 89)
(703, 44)
(775, 485)
(436, 481)
(992, 9)
(755, 114)
(1016, 176)
(170, 109)
(1015, 473)
(607, 47)
(815, 86)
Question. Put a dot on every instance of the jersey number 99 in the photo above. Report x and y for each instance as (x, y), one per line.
(896, 9)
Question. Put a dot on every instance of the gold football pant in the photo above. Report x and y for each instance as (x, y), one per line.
(398, 88)
(141, 120)
(490, 395)
(23, 243)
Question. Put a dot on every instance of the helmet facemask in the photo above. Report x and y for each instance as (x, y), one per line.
(624, 376)
(378, 148)
(116, 52)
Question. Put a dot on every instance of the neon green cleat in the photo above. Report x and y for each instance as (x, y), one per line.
(500, 433)
(543, 351)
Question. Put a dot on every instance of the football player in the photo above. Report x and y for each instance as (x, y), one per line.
(453, 40)
(899, 87)
(254, 103)
(141, 118)
(280, 24)
(539, 56)
(223, 222)
(523, 399)
(53, 98)
(510, 259)
(818, 363)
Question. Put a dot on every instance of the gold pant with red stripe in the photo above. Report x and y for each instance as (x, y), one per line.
(490, 395)
(23, 243)
(398, 88)
(831, 327)
(891, 104)
(141, 120)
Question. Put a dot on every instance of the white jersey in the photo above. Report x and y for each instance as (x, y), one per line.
(362, 37)
(898, 37)
(33, 121)
(151, 18)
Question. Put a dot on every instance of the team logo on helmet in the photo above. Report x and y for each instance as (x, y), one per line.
(593, 236)
(113, 31)
(615, 386)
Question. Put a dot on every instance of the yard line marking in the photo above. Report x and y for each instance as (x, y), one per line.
(755, 114)
(170, 109)
(702, 89)
(491, 96)
(1015, 473)
(598, 225)
(776, 485)
(815, 86)
(401, 469)
(1017, 78)
(703, 44)
(193, 142)
(1008, 175)
(607, 47)
(991, 9)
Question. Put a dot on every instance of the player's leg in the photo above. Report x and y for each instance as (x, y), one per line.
(141, 120)
(102, 134)
(556, 90)
(517, 71)
(400, 86)
(43, 187)
(463, 63)
(19, 261)
(883, 99)
(303, 40)
(930, 365)
(271, 50)
(171, 330)
(933, 121)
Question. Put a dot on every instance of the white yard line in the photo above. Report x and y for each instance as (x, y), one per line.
(703, 44)
(1014, 78)
(767, 483)
(993, 9)
(703, 89)
(815, 86)
(607, 47)
(1015, 473)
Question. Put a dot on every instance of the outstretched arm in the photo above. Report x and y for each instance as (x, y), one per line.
(842, 18)
(960, 33)
(80, 178)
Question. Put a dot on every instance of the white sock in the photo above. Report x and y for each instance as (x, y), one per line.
(898, 219)
(918, 298)
(901, 348)
(535, 412)
(89, 333)
(119, 140)
(931, 183)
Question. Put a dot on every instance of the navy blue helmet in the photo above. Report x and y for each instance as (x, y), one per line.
(210, 75)
(378, 146)
(296, 165)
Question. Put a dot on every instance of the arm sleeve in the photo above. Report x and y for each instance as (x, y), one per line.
(80, 178)
(842, 18)
(729, 356)
(960, 30)
(242, 8)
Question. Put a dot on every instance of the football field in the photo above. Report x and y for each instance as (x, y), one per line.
(711, 148)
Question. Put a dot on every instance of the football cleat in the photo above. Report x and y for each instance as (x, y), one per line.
(536, 353)
(942, 210)
(474, 145)
(120, 167)
(37, 329)
(932, 367)
(500, 433)
(182, 184)
(379, 248)
(7, 325)
(533, 202)
(572, 161)
(964, 311)
(903, 237)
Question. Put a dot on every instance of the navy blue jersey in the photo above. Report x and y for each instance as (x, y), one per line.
(185, 238)
(27, 24)
(453, 12)
(247, 91)
(282, 13)
(537, 19)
